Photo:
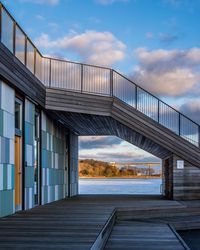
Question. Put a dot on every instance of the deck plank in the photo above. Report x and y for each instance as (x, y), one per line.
(71, 223)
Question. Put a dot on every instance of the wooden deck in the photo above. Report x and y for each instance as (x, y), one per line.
(75, 223)
(142, 235)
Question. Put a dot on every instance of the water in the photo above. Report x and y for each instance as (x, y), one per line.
(119, 186)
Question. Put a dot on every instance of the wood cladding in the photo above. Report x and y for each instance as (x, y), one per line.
(14, 73)
(89, 114)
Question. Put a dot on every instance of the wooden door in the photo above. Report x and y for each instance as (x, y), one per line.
(18, 174)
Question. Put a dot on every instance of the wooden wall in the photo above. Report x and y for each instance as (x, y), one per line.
(180, 184)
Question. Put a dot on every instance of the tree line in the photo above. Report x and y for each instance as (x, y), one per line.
(94, 168)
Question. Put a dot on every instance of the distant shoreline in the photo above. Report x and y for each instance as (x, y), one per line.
(121, 177)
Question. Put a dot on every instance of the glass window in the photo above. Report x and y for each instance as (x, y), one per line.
(30, 56)
(7, 31)
(38, 65)
(37, 159)
(37, 125)
(18, 115)
(20, 45)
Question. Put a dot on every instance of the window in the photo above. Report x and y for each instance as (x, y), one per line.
(7, 31)
(20, 45)
(18, 116)
(30, 56)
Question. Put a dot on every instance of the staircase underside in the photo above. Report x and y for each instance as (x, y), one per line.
(88, 114)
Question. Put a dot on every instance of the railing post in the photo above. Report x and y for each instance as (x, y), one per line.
(136, 96)
(50, 72)
(81, 78)
(198, 136)
(0, 21)
(25, 50)
(179, 124)
(158, 111)
(34, 62)
(14, 37)
(111, 82)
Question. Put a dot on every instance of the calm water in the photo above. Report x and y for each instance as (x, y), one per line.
(119, 186)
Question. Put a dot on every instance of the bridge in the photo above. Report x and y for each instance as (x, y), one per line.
(134, 164)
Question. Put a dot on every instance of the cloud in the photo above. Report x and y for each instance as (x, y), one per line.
(168, 72)
(167, 38)
(47, 2)
(92, 142)
(111, 148)
(174, 3)
(92, 46)
(119, 157)
(149, 35)
(107, 2)
(53, 26)
(40, 17)
(192, 110)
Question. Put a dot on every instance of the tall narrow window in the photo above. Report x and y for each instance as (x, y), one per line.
(18, 117)
(37, 159)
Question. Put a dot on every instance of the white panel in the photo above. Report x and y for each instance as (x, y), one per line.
(47, 141)
(1, 176)
(29, 155)
(49, 193)
(52, 161)
(47, 176)
(56, 160)
(43, 176)
(7, 98)
(42, 195)
(9, 176)
(56, 192)
(44, 122)
(8, 125)
(12, 152)
(30, 197)
(51, 142)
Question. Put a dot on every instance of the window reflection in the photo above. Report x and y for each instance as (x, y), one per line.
(20, 45)
(30, 56)
(7, 31)
(18, 115)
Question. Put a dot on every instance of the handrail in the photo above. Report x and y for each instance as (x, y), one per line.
(92, 79)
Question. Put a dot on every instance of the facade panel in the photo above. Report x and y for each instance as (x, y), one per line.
(6, 149)
(53, 160)
(29, 154)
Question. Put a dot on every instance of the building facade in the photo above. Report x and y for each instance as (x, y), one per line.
(34, 160)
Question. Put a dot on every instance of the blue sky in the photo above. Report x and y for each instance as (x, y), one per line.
(154, 42)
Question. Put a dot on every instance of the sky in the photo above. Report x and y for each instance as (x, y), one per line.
(154, 42)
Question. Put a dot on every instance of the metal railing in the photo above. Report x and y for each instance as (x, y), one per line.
(92, 79)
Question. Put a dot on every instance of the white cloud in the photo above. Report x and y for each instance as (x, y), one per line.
(168, 72)
(40, 17)
(48, 2)
(192, 109)
(107, 2)
(149, 35)
(111, 148)
(93, 47)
